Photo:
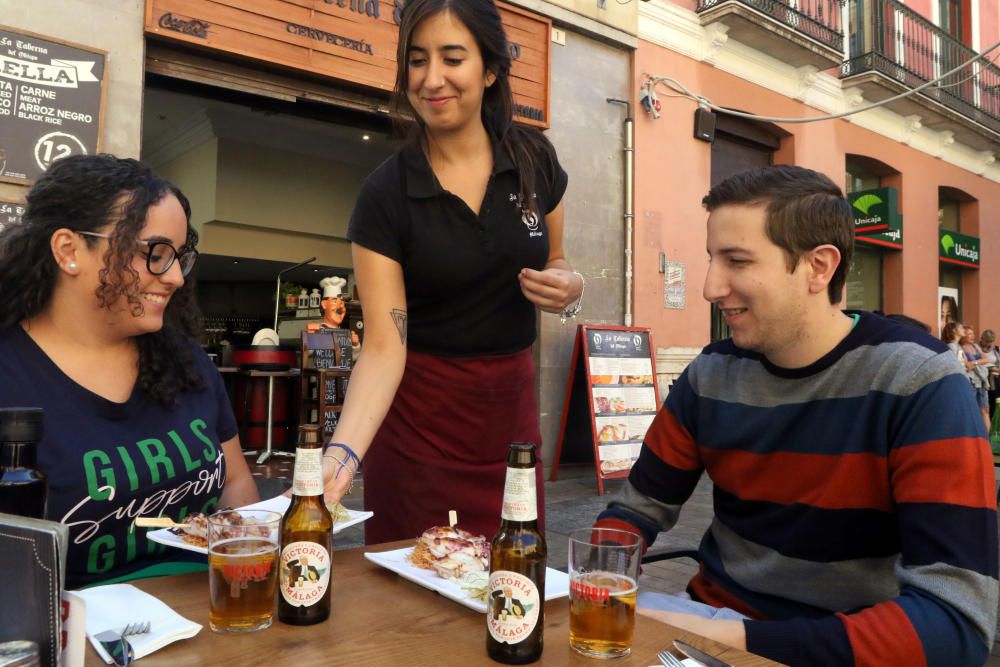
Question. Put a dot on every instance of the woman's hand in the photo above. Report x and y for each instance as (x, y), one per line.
(335, 486)
(338, 476)
(551, 290)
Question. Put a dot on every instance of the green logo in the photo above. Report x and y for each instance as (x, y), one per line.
(865, 202)
(947, 243)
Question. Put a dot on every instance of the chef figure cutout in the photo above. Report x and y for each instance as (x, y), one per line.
(334, 310)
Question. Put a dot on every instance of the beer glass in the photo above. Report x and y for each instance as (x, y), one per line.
(242, 569)
(603, 576)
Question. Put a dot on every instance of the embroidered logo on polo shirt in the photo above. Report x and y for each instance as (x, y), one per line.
(528, 217)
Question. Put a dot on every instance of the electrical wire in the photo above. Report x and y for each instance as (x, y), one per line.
(672, 84)
(991, 61)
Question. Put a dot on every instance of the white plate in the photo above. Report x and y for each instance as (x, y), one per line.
(276, 504)
(556, 582)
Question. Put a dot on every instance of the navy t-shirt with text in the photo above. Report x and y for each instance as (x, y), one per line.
(108, 462)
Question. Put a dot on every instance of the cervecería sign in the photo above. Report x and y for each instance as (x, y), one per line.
(350, 40)
(51, 96)
(960, 249)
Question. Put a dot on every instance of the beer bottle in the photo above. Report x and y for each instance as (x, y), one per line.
(23, 488)
(306, 538)
(515, 616)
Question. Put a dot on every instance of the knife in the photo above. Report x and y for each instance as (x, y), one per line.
(117, 647)
(699, 655)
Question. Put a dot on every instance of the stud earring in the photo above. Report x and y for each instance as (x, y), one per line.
(72, 266)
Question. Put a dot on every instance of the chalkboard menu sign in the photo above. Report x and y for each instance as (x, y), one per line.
(51, 102)
(611, 399)
(10, 213)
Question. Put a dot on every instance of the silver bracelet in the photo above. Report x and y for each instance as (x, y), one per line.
(570, 312)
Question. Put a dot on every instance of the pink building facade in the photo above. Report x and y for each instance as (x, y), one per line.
(929, 157)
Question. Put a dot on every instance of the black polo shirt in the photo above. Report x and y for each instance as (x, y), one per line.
(460, 269)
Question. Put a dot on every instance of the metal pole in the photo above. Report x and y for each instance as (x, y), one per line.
(628, 214)
(270, 380)
(270, 419)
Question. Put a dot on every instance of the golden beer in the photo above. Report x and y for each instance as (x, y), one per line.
(515, 618)
(602, 613)
(306, 538)
(242, 579)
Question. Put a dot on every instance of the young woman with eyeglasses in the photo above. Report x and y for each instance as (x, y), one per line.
(99, 329)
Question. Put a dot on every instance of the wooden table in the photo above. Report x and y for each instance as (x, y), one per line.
(379, 618)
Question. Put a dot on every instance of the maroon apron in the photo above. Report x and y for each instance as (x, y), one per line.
(443, 444)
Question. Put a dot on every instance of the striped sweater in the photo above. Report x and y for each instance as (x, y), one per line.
(855, 517)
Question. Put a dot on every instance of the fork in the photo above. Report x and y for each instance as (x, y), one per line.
(116, 644)
(667, 659)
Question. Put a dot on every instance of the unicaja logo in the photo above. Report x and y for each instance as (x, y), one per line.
(948, 244)
(865, 202)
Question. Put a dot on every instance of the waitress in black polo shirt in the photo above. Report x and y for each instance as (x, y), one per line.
(457, 239)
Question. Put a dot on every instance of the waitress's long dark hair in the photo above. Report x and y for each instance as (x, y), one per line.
(88, 193)
(527, 147)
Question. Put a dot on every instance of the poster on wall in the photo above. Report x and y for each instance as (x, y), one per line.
(674, 285)
(51, 102)
(948, 300)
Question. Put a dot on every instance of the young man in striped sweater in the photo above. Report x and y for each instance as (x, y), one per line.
(855, 517)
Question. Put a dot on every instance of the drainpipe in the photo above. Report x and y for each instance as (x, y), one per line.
(628, 217)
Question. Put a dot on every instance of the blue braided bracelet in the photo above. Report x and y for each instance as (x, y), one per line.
(348, 450)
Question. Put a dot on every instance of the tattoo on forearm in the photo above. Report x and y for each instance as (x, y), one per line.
(399, 317)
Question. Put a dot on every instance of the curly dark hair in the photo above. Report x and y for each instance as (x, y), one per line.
(87, 193)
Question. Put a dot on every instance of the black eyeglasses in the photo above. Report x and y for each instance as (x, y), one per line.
(160, 255)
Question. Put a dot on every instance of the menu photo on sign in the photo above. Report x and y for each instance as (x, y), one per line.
(611, 400)
(51, 102)
(623, 395)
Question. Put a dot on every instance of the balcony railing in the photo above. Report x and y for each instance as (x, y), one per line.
(818, 19)
(888, 37)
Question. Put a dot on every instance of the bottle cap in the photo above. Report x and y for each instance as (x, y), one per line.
(20, 424)
(309, 434)
(521, 454)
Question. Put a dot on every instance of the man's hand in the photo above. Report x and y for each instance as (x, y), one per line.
(730, 633)
(552, 290)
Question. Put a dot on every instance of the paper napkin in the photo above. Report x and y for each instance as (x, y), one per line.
(114, 606)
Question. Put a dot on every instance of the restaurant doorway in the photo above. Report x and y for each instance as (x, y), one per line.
(271, 184)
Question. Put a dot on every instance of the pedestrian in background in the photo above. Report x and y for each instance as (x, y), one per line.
(988, 344)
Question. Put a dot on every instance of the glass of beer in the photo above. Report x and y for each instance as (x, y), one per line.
(242, 569)
(603, 576)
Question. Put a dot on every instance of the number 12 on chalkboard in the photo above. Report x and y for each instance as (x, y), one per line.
(611, 400)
